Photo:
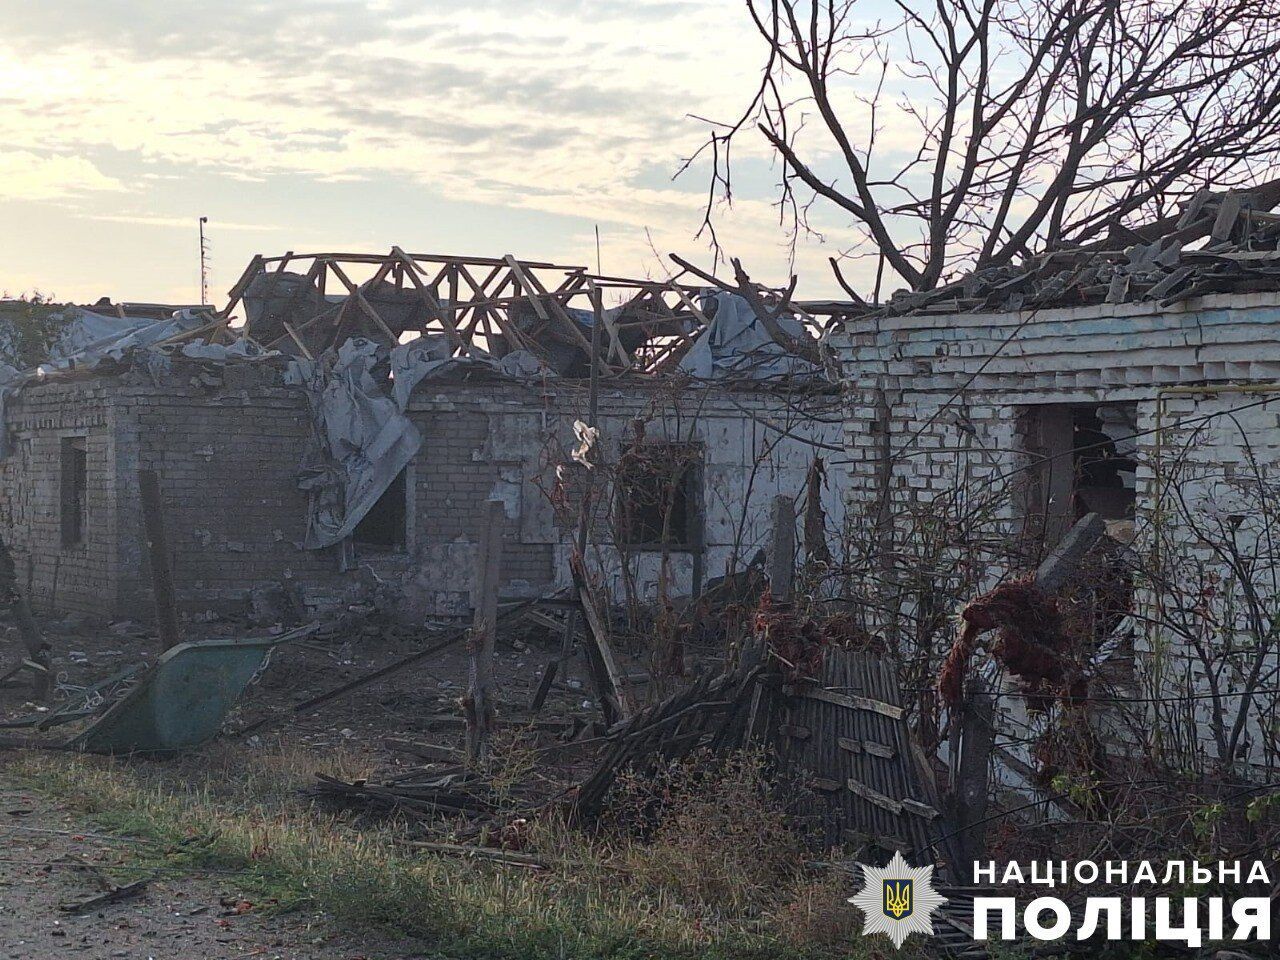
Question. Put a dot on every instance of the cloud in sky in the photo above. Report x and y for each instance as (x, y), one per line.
(27, 175)
(319, 117)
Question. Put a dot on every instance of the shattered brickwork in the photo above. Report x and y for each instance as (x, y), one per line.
(227, 454)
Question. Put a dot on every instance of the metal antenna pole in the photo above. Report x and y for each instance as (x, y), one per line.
(204, 265)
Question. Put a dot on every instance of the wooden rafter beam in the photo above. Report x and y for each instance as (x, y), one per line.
(535, 290)
(434, 308)
(357, 295)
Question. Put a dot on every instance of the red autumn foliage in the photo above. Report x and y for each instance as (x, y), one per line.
(798, 642)
(1030, 640)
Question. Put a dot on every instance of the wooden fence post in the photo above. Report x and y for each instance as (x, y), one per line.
(977, 740)
(479, 701)
(782, 569)
(158, 553)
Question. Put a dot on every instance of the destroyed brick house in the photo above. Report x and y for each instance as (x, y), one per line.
(1137, 379)
(346, 437)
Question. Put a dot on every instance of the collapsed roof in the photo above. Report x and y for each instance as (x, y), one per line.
(498, 308)
(1225, 242)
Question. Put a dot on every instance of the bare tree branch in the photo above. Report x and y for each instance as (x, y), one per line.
(1017, 126)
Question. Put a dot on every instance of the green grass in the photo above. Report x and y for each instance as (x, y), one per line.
(710, 885)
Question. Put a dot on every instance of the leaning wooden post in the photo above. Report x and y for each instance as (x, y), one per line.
(977, 741)
(478, 704)
(973, 725)
(158, 553)
(38, 649)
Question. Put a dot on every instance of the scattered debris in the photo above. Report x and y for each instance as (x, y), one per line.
(182, 702)
(113, 895)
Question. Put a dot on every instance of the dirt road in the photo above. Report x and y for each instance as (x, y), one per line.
(47, 860)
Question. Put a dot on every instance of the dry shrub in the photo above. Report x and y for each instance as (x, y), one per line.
(708, 833)
(511, 761)
(818, 913)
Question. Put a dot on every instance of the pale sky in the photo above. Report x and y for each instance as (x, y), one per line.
(480, 127)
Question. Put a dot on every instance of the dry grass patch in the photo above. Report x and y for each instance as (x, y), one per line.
(698, 863)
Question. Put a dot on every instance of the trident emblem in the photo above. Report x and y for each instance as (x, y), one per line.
(897, 898)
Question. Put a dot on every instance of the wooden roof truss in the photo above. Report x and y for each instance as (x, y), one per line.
(308, 303)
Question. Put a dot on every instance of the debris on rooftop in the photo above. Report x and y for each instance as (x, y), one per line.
(1224, 242)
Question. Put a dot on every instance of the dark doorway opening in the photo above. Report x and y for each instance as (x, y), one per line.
(74, 490)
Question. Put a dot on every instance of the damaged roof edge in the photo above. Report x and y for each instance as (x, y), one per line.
(1219, 243)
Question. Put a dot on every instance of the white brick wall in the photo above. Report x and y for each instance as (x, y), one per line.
(1132, 352)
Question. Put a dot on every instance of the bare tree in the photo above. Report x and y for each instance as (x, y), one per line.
(968, 133)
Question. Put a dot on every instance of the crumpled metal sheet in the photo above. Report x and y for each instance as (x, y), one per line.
(182, 702)
(361, 438)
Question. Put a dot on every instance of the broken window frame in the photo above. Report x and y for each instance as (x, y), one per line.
(632, 537)
(1052, 495)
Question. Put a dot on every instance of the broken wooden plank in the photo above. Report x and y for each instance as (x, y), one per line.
(509, 857)
(114, 895)
(919, 809)
(847, 700)
(431, 752)
(447, 641)
(609, 679)
(867, 746)
(297, 339)
(859, 789)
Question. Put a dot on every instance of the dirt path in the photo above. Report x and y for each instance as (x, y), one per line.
(44, 855)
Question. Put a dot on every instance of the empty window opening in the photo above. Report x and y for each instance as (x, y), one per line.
(383, 528)
(1084, 461)
(1106, 465)
(659, 495)
(73, 489)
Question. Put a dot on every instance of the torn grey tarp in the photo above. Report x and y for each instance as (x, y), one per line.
(736, 344)
(85, 340)
(361, 439)
(89, 337)
(240, 349)
(428, 357)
